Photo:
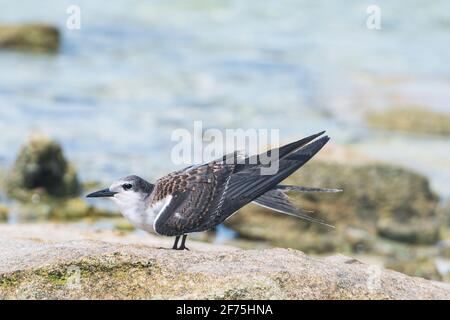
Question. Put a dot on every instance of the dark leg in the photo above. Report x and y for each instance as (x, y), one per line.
(175, 244)
(183, 240)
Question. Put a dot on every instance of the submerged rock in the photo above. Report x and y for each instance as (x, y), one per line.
(88, 269)
(414, 119)
(3, 213)
(41, 164)
(36, 37)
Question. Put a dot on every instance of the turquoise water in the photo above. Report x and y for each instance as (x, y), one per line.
(137, 70)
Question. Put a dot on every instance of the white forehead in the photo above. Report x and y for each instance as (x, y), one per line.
(117, 184)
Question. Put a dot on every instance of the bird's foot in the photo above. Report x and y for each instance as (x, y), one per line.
(183, 241)
(175, 244)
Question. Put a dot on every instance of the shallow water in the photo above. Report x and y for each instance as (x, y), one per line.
(138, 70)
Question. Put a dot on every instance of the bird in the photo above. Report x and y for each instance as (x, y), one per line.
(200, 197)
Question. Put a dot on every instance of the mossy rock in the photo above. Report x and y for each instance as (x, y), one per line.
(418, 231)
(3, 213)
(359, 240)
(41, 164)
(46, 208)
(257, 223)
(71, 209)
(35, 37)
(123, 225)
(423, 267)
(260, 224)
(371, 192)
(412, 119)
(444, 213)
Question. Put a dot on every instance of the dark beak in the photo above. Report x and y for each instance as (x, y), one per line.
(101, 193)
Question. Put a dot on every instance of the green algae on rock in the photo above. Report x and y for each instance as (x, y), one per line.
(3, 213)
(51, 209)
(41, 164)
(33, 37)
(123, 225)
(413, 119)
(77, 208)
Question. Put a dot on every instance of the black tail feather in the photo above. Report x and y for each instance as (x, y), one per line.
(276, 200)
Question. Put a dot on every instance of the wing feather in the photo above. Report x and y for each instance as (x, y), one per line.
(205, 195)
(278, 201)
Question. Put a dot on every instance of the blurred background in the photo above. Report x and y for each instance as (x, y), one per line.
(81, 107)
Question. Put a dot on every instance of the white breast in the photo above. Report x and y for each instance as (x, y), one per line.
(136, 211)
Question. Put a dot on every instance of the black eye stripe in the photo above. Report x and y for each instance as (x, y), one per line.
(127, 186)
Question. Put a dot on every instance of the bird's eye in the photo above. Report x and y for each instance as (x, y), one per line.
(127, 186)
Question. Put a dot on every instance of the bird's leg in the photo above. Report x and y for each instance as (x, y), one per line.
(175, 244)
(183, 240)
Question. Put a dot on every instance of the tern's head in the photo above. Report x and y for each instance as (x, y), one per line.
(127, 192)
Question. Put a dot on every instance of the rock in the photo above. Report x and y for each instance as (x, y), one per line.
(76, 208)
(420, 231)
(41, 164)
(444, 212)
(412, 119)
(444, 248)
(3, 213)
(35, 37)
(443, 267)
(372, 192)
(256, 223)
(123, 225)
(359, 240)
(419, 267)
(36, 263)
(44, 209)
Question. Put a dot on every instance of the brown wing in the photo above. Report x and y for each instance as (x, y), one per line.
(247, 183)
(194, 192)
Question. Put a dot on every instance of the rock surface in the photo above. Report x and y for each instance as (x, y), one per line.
(35, 37)
(56, 262)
